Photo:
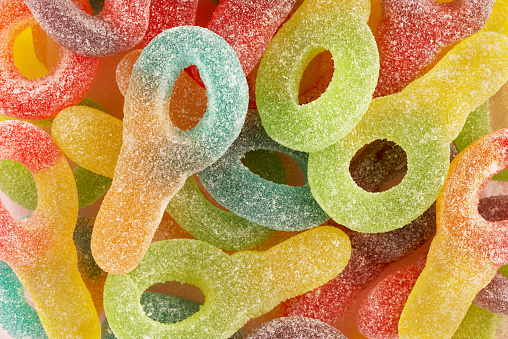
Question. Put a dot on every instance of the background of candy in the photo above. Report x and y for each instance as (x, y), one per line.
(105, 91)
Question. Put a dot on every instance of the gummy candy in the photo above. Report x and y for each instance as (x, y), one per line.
(166, 309)
(463, 262)
(119, 27)
(295, 328)
(237, 287)
(40, 249)
(412, 33)
(318, 25)
(423, 119)
(41, 98)
(156, 158)
(166, 14)
(233, 185)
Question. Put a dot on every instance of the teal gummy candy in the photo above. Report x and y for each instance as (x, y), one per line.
(279, 207)
(166, 309)
(223, 229)
(17, 317)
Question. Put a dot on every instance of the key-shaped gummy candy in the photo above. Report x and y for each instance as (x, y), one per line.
(156, 158)
(467, 250)
(40, 249)
(422, 119)
(237, 288)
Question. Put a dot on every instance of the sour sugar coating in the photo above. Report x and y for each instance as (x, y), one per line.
(295, 328)
(467, 250)
(93, 139)
(412, 33)
(17, 317)
(276, 206)
(371, 253)
(166, 14)
(42, 98)
(118, 27)
(156, 158)
(165, 309)
(237, 288)
(249, 25)
(318, 25)
(379, 313)
(40, 250)
(422, 119)
(223, 229)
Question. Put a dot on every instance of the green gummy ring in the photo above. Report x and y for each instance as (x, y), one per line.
(320, 123)
(184, 260)
(348, 204)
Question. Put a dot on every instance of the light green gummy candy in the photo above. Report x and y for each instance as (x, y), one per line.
(478, 324)
(317, 26)
(477, 125)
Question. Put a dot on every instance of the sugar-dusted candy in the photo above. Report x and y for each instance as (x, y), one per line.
(380, 311)
(412, 33)
(277, 206)
(40, 250)
(166, 14)
(206, 222)
(156, 158)
(42, 98)
(165, 309)
(422, 119)
(17, 316)
(318, 25)
(118, 27)
(249, 25)
(89, 137)
(79, 130)
(295, 328)
(467, 250)
(244, 285)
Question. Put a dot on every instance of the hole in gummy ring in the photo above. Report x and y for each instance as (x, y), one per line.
(274, 166)
(379, 166)
(161, 304)
(35, 53)
(316, 78)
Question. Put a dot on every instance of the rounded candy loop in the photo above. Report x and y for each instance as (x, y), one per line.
(120, 26)
(295, 327)
(156, 157)
(237, 287)
(277, 206)
(41, 98)
(317, 26)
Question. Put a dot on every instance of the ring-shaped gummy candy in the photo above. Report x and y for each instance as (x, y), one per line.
(236, 187)
(423, 119)
(238, 287)
(166, 309)
(467, 250)
(316, 26)
(40, 249)
(156, 158)
(41, 98)
(118, 27)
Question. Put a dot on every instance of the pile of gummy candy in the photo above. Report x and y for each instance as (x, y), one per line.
(316, 168)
